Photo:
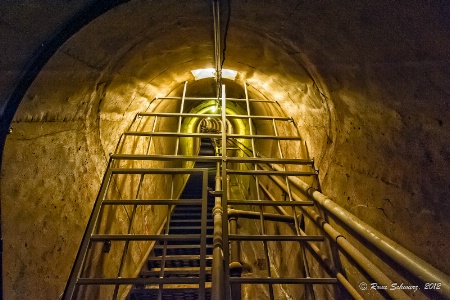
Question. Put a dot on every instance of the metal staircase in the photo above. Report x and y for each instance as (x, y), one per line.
(170, 224)
(178, 259)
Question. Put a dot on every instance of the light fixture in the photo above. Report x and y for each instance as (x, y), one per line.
(210, 73)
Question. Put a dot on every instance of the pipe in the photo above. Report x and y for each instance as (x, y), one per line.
(225, 249)
(216, 16)
(234, 245)
(409, 261)
(217, 263)
(235, 264)
(373, 271)
(340, 277)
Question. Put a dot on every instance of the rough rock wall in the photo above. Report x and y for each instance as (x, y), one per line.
(56, 174)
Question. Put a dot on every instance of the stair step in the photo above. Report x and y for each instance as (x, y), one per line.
(180, 246)
(181, 249)
(197, 204)
(191, 217)
(189, 231)
(175, 272)
(189, 222)
(168, 293)
(196, 269)
(190, 227)
(209, 222)
(188, 208)
(182, 259)
(184, 215)
(179, 257)
(187, 212)
(177, 263)
(209, 240)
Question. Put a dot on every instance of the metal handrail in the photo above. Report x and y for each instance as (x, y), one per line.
(330, 267)
(371, 269)
(405, 258)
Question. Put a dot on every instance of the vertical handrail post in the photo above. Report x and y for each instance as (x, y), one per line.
(220, 270)
(202, 293)
(217, 267)
(235, 262)
(258, 195)
(226, 248)
(81, 255)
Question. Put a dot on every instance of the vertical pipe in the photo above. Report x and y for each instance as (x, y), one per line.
(218, 271)
(217, 267)
(235, 264)
(226, 248)
(217, 55)
(202, 294)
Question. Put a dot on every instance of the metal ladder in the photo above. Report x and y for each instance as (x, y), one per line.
(120, 229)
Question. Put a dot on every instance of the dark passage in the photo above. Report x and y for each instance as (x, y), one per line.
(182, 258)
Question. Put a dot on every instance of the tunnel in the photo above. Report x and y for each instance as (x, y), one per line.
(364, 86)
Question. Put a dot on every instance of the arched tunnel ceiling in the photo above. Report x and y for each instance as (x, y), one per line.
(123, 63)
(290, 51)
(365, 81)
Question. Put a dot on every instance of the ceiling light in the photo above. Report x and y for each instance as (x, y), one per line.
(210, 73)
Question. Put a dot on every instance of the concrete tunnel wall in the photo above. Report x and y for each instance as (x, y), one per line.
(366, 83)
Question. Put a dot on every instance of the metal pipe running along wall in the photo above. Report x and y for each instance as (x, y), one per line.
(371, 269)
(409, 261)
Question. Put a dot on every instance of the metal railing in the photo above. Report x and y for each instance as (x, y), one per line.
(256, 173)
(238, 162)
(81, 276)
